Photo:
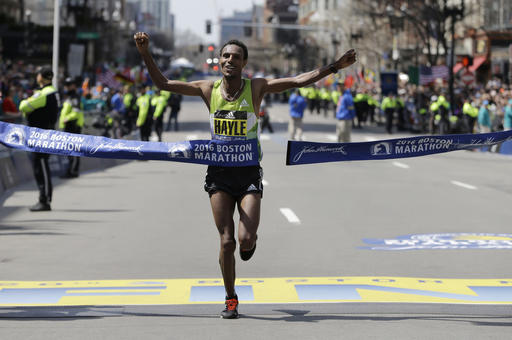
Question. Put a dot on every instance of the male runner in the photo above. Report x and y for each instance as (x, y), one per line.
(237, 100)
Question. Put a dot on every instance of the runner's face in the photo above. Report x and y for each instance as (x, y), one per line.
(232, 61)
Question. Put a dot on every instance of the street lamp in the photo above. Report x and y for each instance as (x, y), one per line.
(27, 40)
(396, 22)
(454, 13)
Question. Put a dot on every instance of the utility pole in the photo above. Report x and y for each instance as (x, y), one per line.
(56, 32)
(454, 13)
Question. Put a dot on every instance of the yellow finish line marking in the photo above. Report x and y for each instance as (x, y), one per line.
(256, 291)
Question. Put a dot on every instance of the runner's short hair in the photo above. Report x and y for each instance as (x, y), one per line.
(239, 44)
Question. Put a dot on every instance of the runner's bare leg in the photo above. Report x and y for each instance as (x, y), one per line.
(223, 207)
(249, 208)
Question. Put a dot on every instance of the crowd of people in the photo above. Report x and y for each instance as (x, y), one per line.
(113, 112)
(417, 109)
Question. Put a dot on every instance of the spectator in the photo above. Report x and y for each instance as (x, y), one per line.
(297, 106)
(264, 116)
(175, 104)
(507, 119)
(484, 117)
(345, 113)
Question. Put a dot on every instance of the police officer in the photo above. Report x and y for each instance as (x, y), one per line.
(389, 105)
(145, 116)
(71, 120)
(41, 111)
(158, 104)
(471, 114)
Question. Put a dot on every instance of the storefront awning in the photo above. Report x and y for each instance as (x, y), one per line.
(477, 62)
(457, 67)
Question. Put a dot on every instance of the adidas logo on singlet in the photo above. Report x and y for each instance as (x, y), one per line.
(244, 103)
(230, 115)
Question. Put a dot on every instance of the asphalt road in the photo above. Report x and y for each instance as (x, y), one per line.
(152, 220)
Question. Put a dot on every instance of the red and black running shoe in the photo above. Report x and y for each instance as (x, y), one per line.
(231, 311)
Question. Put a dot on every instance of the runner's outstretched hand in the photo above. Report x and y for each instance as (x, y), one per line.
(141, 41)
(346, 60)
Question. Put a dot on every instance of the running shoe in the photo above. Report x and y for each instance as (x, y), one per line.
(246, 255)
(231, 311)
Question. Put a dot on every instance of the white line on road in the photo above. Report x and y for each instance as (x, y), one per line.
(334, 138)
(369, 138)
(265, 183)
(290, 215)
(191, 137)
(401, 165)
(464, 185)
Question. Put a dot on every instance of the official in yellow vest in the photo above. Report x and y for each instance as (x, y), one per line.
(159, 104)
(41, 111)
(389, 105)
(71, 120)
(144, 118)
(470, 115)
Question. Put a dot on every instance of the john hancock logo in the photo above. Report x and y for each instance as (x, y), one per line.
(381, 149)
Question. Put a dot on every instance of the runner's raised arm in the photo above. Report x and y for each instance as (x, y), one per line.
(200, 88)
(263, 86)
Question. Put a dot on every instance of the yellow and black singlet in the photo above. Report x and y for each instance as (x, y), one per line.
(235, 120)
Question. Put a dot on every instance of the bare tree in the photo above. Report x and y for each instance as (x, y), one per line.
(429, 20)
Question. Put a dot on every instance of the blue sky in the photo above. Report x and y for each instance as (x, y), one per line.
(192, 14)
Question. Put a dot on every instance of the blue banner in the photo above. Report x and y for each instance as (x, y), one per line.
(310, 152)
(209, 152)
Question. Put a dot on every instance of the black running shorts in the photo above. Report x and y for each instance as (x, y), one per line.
(236, 181)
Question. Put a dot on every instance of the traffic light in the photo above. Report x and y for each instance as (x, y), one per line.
(247, 31)
(201, 48)
(211, 48)
(208, 27)
(467, 61)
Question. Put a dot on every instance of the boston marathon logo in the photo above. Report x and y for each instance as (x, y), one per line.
(16, 136)
(411, 146)
(230, 123)
(383, 148)
(442, 241)
(54, 141)
(180, 150)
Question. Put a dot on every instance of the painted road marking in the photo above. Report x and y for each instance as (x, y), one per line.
(370, 138)
(257, 291)
(464, 185)
(264, 137)
(191, 137)
(290, 215)
(334, 138)
(265, 183)
(401, 165)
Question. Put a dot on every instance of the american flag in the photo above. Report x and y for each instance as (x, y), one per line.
(430, 74)
(107, 78)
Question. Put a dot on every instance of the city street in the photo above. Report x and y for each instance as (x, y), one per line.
(150, 222)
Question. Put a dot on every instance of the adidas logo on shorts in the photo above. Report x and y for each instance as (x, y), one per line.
(252, 187)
